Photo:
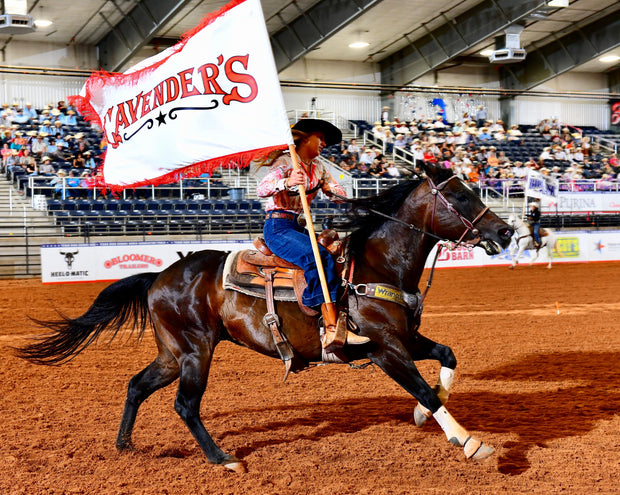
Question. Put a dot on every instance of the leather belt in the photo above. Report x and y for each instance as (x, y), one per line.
(281, 214)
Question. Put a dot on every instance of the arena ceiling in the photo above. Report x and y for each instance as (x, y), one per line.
(407, 38)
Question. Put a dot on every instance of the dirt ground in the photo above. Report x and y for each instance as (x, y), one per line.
(543, 388)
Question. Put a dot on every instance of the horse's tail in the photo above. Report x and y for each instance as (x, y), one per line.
(123, 302)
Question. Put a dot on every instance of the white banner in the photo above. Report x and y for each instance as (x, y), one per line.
(109, 261)
(112, 261)
(540, 186)
(584, 202)
(212, 100)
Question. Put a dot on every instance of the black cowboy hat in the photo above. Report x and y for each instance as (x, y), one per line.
(330, 132)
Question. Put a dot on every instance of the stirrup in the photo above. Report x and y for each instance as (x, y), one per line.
(335, 333)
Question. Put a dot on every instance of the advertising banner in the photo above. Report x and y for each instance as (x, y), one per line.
(113, 261)
(584, 202)
(62, 263)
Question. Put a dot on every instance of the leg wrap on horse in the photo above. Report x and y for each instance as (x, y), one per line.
(455, 433)
(446, 376)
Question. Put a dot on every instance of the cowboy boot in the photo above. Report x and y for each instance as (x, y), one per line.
(335, 327)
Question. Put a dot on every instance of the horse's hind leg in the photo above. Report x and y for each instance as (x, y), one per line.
(161, 372)
(421, 348)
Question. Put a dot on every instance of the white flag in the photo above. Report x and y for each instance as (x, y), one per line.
(211, 100)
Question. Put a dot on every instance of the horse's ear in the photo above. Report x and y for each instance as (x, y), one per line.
(436, 173)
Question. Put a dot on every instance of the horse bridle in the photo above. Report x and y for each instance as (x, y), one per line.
(470, 226)
(436, 191)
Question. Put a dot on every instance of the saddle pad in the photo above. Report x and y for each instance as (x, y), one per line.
(252, 284)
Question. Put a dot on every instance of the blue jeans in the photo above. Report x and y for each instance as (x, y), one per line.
(536, 228)
(290, 241)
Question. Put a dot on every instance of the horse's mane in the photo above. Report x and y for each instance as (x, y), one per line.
(361, 222)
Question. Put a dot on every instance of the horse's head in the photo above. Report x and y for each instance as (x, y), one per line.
(455, 212)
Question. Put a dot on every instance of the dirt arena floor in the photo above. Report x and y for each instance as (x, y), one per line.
(542, 387)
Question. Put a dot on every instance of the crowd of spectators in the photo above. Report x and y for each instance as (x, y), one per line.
(481, 150)
(53, 142)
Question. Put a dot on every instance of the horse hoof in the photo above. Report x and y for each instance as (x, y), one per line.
(420, 417)
(511, 267)
(476, 450)
(236, 465)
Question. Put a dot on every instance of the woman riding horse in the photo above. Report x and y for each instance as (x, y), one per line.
(191, 312)
(284, 236)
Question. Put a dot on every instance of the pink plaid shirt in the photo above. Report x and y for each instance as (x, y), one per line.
(273, 185)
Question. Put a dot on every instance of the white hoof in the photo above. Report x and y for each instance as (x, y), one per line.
(511, 267)
(237, 466)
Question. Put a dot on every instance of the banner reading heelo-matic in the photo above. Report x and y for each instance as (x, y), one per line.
(109, 261)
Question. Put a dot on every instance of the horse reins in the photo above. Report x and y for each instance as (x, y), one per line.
(470, 226)
(436, 191)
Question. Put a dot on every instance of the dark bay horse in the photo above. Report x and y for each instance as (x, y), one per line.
(391, 236)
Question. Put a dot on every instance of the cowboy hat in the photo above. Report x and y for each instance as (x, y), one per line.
(330, 132)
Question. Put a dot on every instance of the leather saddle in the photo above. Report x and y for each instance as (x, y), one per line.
(542, 232)
(249, 269)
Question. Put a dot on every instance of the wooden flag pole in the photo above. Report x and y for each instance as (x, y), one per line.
(310, 227)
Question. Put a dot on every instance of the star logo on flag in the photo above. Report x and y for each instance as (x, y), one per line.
(161, 119)
(600, 246)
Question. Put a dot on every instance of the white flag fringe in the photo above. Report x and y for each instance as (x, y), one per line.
(211, 100)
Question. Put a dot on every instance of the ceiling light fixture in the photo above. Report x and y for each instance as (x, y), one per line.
(487, 53)
(558, 3)
(43, 23)
(359, 44)
(609, 58)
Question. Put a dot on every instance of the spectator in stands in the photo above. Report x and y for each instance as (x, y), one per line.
(69, 119)
(57, 183)
(46, 167)
(368, 155)
(78, 161)
(27, 161)
(20, 118)
(484, 134)
(353, 148)
(515, 134)
(586, 146)
(38, 145)
(47, 128)
(283, 234)
(73, 184)
(89, 161)
(5, 152)
(59, 128)
(400, 142)
(545, 155)
(481, 116)
(559, 153)
(30, 112)
(392, 170)
(497, 126)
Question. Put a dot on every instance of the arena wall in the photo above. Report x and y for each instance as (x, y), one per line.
(62, 263)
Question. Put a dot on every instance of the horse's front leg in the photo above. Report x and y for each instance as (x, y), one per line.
(515, 259)
(393, 358)
(420, 348)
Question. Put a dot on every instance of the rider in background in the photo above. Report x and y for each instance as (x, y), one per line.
(283, 234)
(533, 218)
